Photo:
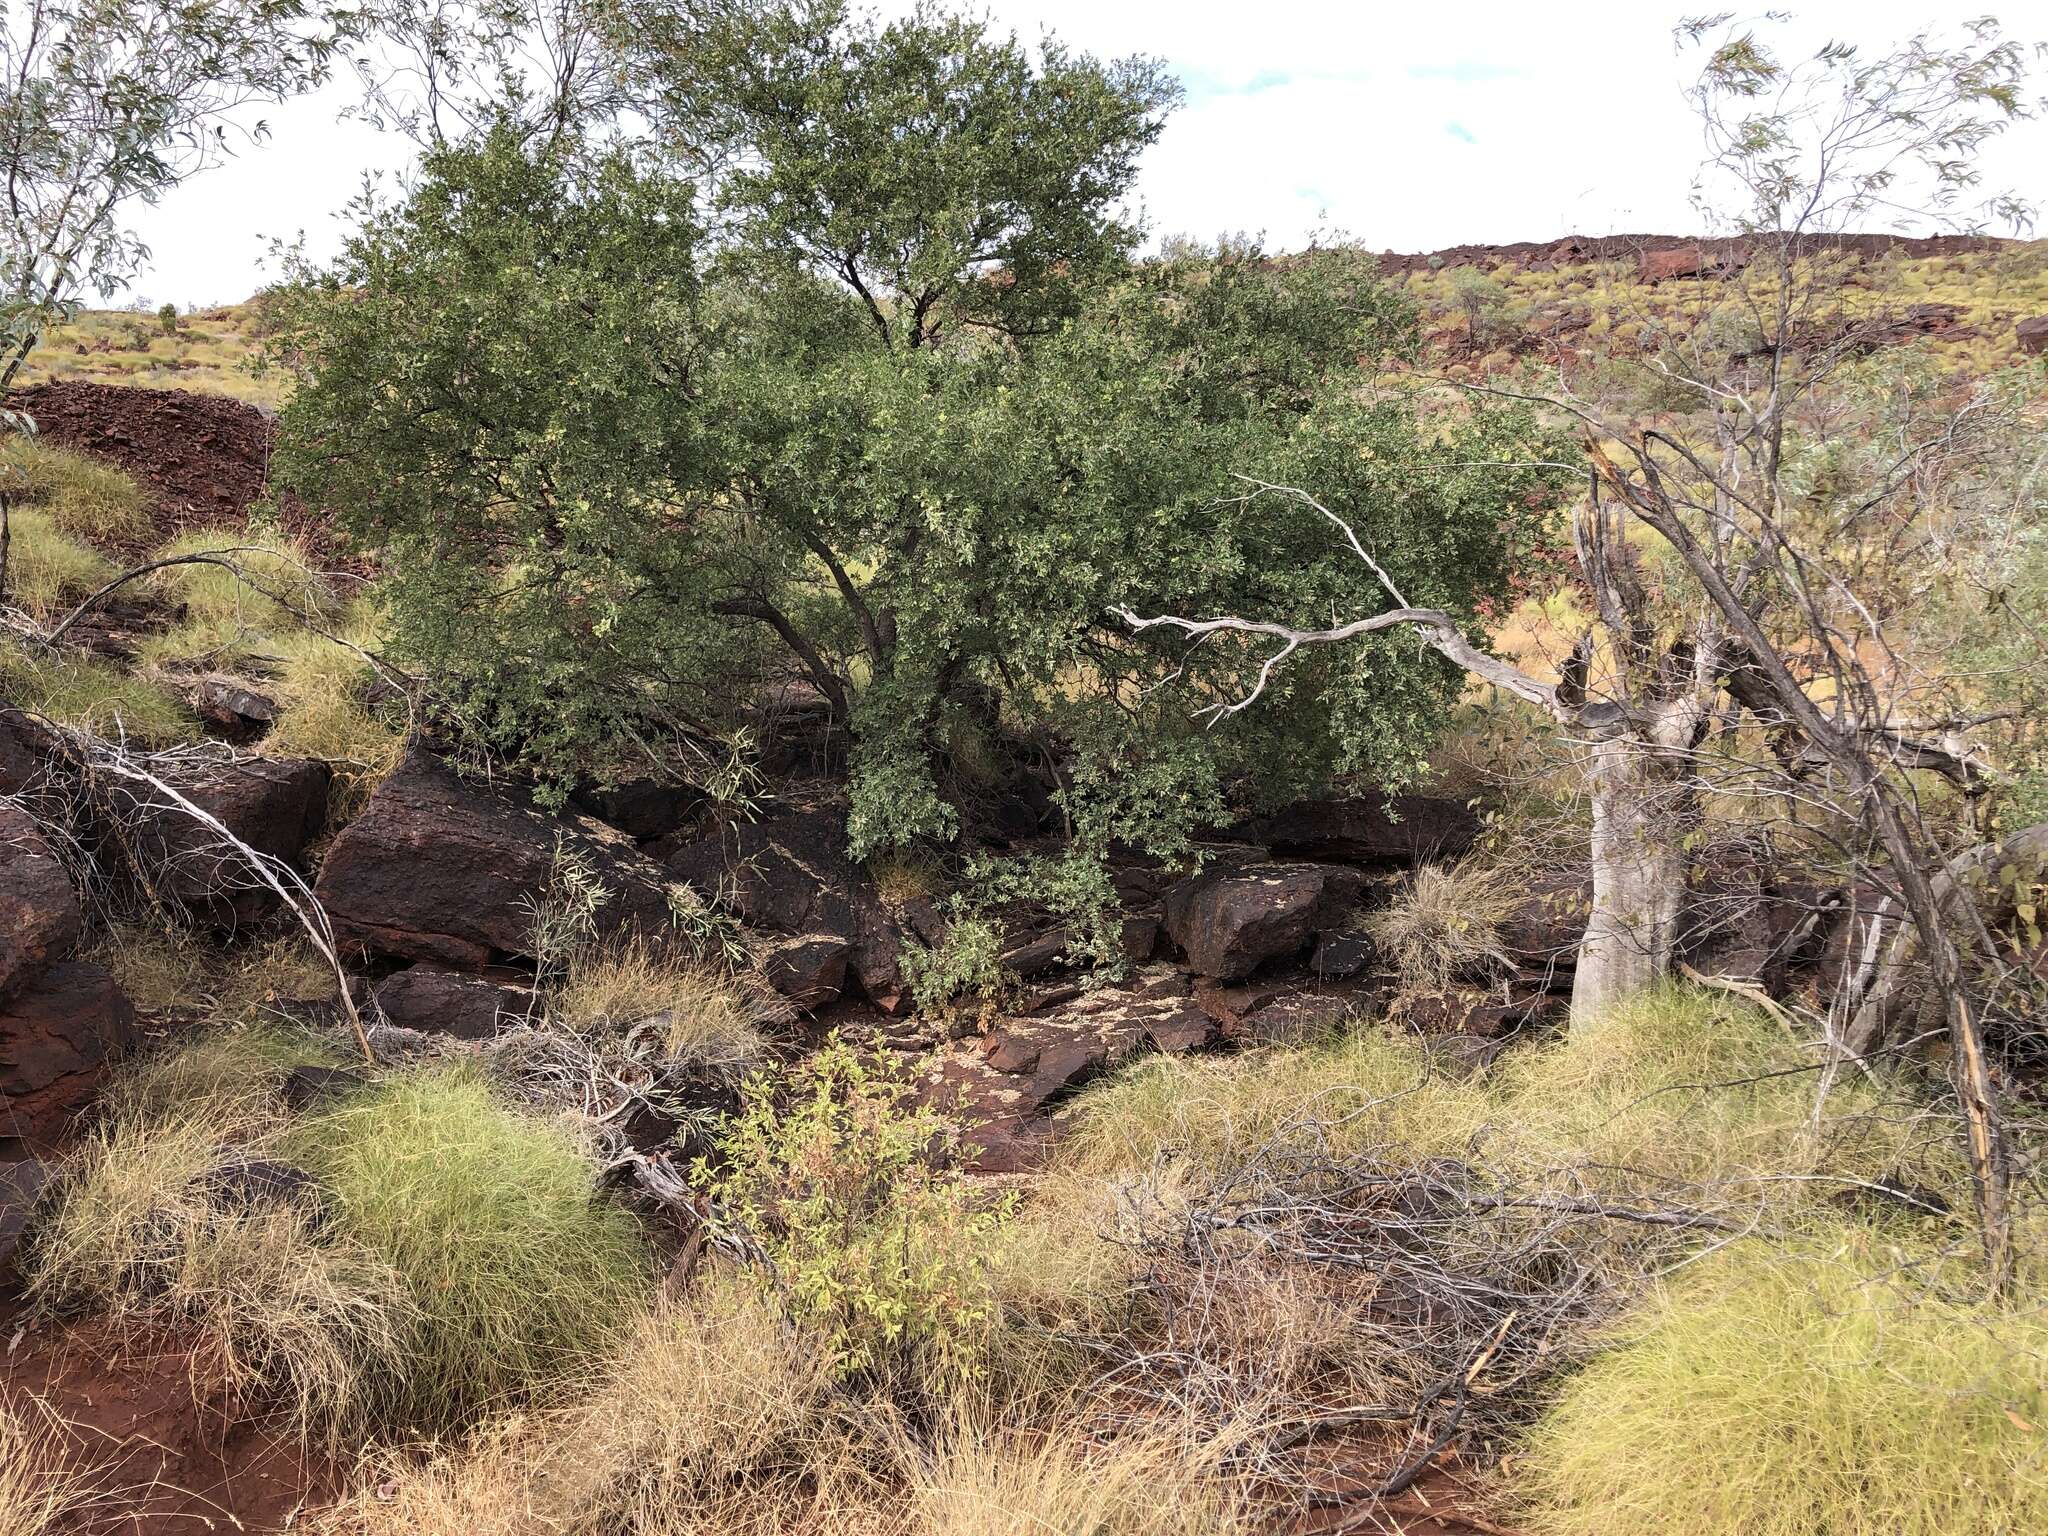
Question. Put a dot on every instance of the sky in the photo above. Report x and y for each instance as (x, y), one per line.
(1408, 127)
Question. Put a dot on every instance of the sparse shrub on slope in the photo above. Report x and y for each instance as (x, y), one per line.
(1803, 1393)
(516, 1270)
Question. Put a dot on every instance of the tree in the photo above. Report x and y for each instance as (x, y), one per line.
(850, 379)
(1755, 632)
(108, 103)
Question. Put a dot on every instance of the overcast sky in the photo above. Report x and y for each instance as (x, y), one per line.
(1408, 126)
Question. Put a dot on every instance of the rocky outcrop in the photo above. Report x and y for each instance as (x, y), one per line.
(56, 1038)
(1228, 920)
(39, 916)
(439, 868)
(789, 875)
(21, 1188)
(1370, 829)
(470, 1006)
(2032, 335)
(807, 968)
(275, 806)
(1003, 1087)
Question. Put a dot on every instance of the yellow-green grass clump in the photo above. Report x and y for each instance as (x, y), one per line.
(273, 582)
(95, 696)
(703, 1018)
(149, 1230)
(48, 570)
(83, 497)
(1677, 1087)
(1802, 1392)
(516, 1269)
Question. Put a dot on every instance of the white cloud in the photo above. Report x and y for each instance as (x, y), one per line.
(1409, 127)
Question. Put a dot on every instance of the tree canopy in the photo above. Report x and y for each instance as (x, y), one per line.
(851, 376)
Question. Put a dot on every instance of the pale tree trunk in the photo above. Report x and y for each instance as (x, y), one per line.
(1639, 876)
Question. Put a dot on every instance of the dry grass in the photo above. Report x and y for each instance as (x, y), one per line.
(165, 970)
(211, 352)
(49, 570)
(42, 1488)
(275, 581)
(83, 497)
(700, 1019)
(1444, 924)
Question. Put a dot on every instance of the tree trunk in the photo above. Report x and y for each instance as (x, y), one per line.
(1640, 815)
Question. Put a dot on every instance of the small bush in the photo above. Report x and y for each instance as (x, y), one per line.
(964, 967)
(515, 1269)
(693, 1017)
(1444, 924)
(82, 497)
(876, 1243)
(1802, 1394)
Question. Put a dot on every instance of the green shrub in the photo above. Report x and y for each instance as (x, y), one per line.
(1802, 1393)
(965, 966)
(875, 1242)
(515, 1268)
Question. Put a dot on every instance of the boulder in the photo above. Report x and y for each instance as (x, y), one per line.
(790, 874)
(2032, 335)
(1003, 1086)
(21, 1187)
(1681, 261)
(643, 809)
(233, 708)
(1230, 919)
(1340, 956)
(1298, 1018)
(56, 1039)
(439, 868)
(39, 916)
(1541, 935)
(1370, 829)
(276, 806)
(312, 1084)
(27, 751)
(239, 1184)
(807, 968)
(435, 1000)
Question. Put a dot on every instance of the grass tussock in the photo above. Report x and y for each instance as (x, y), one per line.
(1803, 1393)
(1444, 924)
(515, 1270)
(91, 695)
(49, 571)
(1678, 1087)
(698, 1018)
(273, 582)
(167, 971)
(151, 1231)
(42, 1489)
(83, 497)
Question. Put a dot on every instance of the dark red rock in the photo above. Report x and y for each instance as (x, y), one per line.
(470, 1006)
(2032, 335)
(39, 916)
(1370, 829)
(21, 1188)
(1229, 920)
(643, 809)
(1297, 1018)
(807, 968)
(276, 806)
(790, 874)
(238, 711)
(438, 868)
(1340, 956)
(56, 1039)
(1663, 266)
(1004, 1086)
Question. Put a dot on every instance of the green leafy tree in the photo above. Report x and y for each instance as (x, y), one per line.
(852, 378)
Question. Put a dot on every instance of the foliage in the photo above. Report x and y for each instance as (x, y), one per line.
(870, 1237)
(964, 966)
(108, 104)
(1811, 1391)
(515, 1269)
(907, 445)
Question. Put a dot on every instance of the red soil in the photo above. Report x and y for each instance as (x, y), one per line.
(163, 1457)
